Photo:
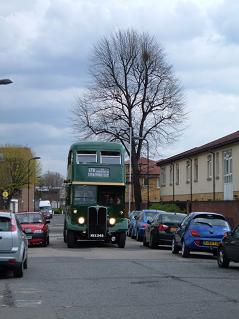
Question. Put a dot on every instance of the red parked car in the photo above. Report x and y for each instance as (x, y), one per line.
(35, 226)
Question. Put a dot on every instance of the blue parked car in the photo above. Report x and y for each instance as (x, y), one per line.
(142, 222)
(201, 231)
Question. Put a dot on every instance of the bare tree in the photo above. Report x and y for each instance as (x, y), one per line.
(49, 186)
(51, 181)
(133, 90)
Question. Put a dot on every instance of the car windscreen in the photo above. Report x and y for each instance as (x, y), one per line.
(5, 224)
(172, 218)
(29, 218)
(149, 215)
(210, 220)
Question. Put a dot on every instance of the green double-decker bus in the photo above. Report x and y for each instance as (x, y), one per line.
(95, 194)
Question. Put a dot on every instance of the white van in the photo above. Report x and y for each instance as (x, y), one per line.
(45, 207)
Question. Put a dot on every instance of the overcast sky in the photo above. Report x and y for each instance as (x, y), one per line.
(44, 50)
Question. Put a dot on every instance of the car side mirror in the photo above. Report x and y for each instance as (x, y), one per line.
(228, 233)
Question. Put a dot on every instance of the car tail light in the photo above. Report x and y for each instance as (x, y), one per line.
(195, 233)
(13, 225)
(163, 227)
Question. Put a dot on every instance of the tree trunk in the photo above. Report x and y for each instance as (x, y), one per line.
(136, 183)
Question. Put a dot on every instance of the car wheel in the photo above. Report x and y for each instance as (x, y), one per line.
(121, 240)
(222, 259)
(64, 233)
(25, 265)
(132, 234)
(152, 243)
(175, 248)
(185, 250)
(18, 272)
(138, 238)
(44, 244)
(144, 241)
(70, 239)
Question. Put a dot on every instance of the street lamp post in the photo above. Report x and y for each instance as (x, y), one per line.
(144, 139)
(130, 165)
(130, 168)
(28, 179)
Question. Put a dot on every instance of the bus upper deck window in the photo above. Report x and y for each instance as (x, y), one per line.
(86, 157)
(108, 157)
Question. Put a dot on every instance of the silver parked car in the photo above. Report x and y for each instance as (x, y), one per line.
(13, 244)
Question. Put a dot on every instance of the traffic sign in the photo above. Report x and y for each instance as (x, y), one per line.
(5, 194)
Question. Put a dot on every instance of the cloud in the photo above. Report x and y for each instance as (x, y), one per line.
(45, 48)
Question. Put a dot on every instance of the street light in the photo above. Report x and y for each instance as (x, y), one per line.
(144, 139)
(130, 168)
(130, 165)
(5, 81)
(28, 179)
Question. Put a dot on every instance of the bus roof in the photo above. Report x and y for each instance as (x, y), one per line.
(96, 145)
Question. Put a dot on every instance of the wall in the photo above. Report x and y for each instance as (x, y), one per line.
(230, 209)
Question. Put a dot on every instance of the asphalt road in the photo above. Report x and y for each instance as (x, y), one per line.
(104, 281)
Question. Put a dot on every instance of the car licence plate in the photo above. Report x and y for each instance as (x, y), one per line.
(173, 229)
(96, 235)
(210, 243)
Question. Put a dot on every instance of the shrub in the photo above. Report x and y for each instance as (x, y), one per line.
(57, 211)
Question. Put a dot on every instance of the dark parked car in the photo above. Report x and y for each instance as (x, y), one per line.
(228, 249)
(161, 229)
(35, 227)
(142, 222)
(201, 232)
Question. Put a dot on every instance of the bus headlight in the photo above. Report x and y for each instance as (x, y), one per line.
(112, 221)
(81, 220)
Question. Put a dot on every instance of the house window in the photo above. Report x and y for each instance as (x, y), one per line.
(177, 174)
(158, 182)
(163, 176)
(228, 167)
(209, 166)
(188, 171)
(195, 170)
(217, 168)
(145, 181)
(171, 175)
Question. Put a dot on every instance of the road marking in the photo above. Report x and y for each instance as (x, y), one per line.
(27, 303)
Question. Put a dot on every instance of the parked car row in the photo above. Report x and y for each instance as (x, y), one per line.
(197, 232)
(17, 232)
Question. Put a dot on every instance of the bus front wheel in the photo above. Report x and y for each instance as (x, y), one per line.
(121, 240)
(70, 239)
